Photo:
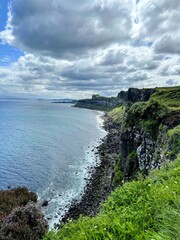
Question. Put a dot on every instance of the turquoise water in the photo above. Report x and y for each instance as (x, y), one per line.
(47, 147)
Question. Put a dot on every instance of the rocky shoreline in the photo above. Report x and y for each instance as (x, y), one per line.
(99, 185)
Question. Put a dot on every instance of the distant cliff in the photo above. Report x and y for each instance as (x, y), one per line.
(98, 102)
(123, 98)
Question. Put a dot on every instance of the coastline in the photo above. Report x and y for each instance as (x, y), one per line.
(99, 185)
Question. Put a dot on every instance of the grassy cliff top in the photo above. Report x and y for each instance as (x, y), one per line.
(169, 96)
(142, 209)
(164, 103)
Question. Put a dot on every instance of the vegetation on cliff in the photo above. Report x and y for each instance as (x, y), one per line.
(146, 207)
(142, 209)
(143, 153)
(149, 133)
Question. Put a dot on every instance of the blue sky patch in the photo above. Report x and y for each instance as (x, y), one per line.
(3, 14)
(8, 54)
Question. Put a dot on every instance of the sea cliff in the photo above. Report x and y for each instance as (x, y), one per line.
(141, 137)
(140, 185)
(134, 192)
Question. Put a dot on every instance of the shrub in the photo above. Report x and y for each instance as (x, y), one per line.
(135, 113)
(155, 110)
(14, 198)
(25, 222)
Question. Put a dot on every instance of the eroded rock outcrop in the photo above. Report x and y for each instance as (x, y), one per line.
(135, 95)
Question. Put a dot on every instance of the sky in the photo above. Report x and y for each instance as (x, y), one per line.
(74, 49)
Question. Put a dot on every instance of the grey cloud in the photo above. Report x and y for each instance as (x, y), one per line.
(113, 57)
(99, 85)
(168, 44)
(85, 74)
(63, 27)
(137, 76)
(159, 17)
(142, 63)
(130, 59)
(159, 24)
(171, 82)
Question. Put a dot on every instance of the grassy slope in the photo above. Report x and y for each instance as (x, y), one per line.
(142, 209)
(117, 114)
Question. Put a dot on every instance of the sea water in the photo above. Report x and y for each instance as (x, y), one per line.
(47, 147)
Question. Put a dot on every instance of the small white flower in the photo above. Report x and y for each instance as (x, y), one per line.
(167, 186)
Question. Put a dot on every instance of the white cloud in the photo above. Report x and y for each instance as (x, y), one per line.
(78, 48)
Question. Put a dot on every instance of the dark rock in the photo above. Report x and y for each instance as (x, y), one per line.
(45, 203)
(49, 217)
(136, 95)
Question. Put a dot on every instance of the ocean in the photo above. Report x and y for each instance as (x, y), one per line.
(48, 147)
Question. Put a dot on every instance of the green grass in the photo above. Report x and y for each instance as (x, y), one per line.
(169, 96)
(139, 210)
(174, 141)
(117, 114)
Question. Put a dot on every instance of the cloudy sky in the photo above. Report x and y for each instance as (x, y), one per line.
(75, 48)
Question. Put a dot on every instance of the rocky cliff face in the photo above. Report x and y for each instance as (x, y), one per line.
(141, 152)
(135, 95)
(149, 133)
(123, 98)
